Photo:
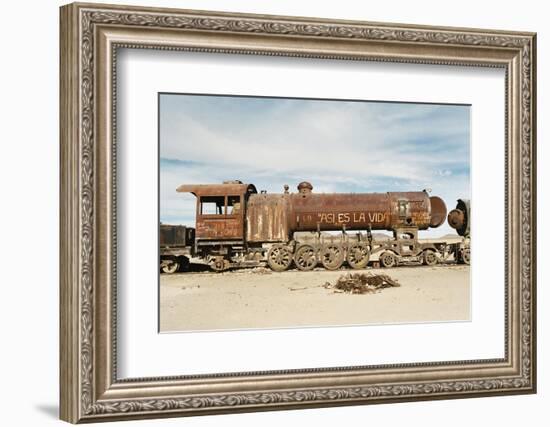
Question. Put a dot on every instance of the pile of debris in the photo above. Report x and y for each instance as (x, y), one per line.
(362, 283)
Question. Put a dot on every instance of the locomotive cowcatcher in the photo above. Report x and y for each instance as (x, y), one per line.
(238, 227)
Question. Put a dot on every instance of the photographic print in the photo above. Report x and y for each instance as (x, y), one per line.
(291, 212)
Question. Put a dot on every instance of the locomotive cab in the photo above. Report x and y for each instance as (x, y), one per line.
(220, 211)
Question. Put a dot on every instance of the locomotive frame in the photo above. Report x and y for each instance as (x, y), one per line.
(90, 388)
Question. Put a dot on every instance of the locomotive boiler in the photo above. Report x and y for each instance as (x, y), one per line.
(275, 217)
(238, 227)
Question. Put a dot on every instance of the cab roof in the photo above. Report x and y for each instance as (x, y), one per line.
(225, 189)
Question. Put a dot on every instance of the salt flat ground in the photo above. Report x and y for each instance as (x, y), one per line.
(249, 299)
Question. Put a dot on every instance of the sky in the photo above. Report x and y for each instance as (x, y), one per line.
(338, 146)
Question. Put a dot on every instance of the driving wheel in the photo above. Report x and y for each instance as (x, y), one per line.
(358, 255)
(332, 256)
(279, 257)
(305, 257)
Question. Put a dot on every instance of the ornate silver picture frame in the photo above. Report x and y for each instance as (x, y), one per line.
(91, 36)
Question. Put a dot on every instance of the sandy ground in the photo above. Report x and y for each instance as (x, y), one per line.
(246, 299)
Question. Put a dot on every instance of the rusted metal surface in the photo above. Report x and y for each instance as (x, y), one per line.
(305, 187)
(175, 235)
(459, 218)
(233, 221)
(267, 218)
(309, 211)
(378, 211)
(235, 187)
(222, 227)
(438, 211)
(274, 217)
(456, 219)
(229, 199)
(174, 251)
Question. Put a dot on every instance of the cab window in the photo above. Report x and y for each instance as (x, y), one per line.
(233, 205)
(211, 205)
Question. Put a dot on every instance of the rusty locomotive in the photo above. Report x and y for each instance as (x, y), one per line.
(238, 227)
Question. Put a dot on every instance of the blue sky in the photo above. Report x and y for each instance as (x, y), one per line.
(338, 146)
